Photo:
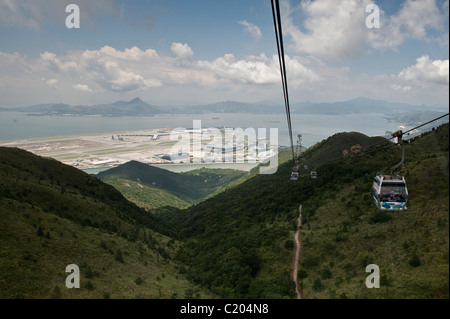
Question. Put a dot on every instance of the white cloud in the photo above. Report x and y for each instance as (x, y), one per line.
(333, 29)
(110, 68)
(52, 62)
(13, 63)
(427, 71)
(412, 22)
(133, 54)
(182, 51)
(254, 70)
(117, 79)
(254, 30)
(52, 83)
(441, 40)
(257, 70)
(401, 88)
(336, 29)
(82, 87)
(108, 72)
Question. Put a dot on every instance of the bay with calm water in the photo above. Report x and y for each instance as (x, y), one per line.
(313, 127)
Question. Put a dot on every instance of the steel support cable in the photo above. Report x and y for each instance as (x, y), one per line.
(278, 35)
(414, 128)
(284, 73)
(387, 140)
(281, 60)
(438, 118)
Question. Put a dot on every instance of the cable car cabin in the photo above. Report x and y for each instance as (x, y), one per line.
(313, 174)
(294, 174)
(390, 192)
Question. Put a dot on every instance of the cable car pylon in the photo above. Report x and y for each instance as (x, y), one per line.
(398, 136)
(298, 153)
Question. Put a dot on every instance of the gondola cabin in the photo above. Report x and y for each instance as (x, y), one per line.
(390, 192)
(313, 174)
(294, 176)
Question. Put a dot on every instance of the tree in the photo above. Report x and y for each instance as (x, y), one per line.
(317, 285)
(56, 294)
(289, 244)
(138, 281)
(119, 256)
(302, 274)
(326, 273)
(415, 261)
(189, 293)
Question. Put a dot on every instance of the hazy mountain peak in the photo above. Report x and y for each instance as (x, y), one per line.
(136, 100)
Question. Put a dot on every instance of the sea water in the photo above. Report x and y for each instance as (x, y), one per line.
(312, 127)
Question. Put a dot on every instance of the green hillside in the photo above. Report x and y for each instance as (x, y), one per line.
(239, 244)
(153, 187)
(335, 146)
(144, 195)
(53, 215)
(343, 232)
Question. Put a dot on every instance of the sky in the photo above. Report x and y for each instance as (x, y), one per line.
(190, 52)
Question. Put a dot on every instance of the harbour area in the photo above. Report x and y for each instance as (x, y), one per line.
(101, 151)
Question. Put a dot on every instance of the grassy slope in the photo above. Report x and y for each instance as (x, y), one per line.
(161, 187)
(341, 239)
(257, 218)
(238, 243)
(83, 221)
(144, 195)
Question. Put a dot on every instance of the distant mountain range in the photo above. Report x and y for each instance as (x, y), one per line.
(354, 106)
(134, 107)
(137, 107)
